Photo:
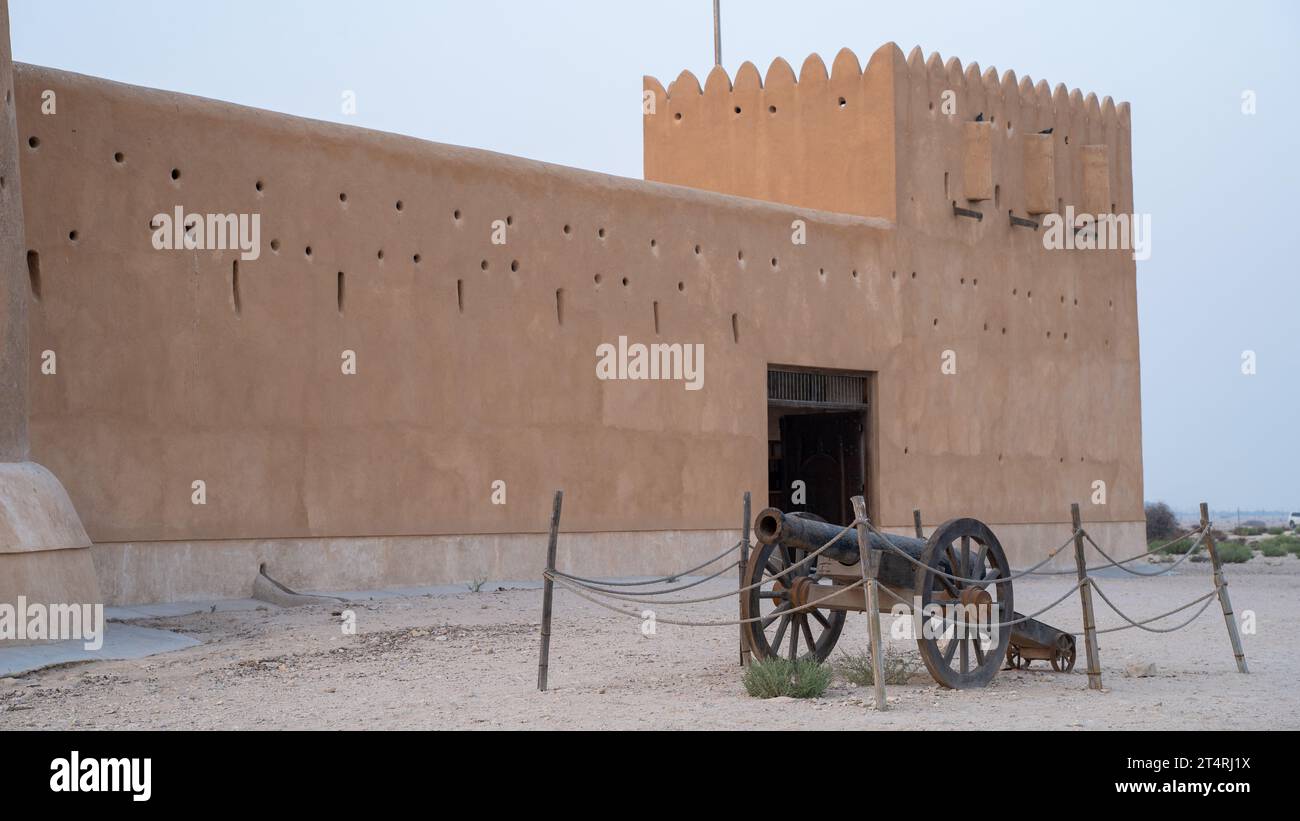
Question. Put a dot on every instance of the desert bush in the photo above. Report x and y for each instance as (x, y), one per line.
(773, 677)
(1161, 522)
(856, 668)
(1234, 553)
(1272, 547)
(1276, 531)
(1247, 530)
(1181, 546)
(1279, 545)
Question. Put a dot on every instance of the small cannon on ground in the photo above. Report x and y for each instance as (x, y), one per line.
(963, 648)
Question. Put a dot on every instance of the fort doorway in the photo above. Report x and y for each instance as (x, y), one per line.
(818, 433)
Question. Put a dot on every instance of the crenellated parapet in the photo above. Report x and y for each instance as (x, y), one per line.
(869, 141)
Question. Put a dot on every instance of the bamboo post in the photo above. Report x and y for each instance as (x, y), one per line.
(868, 563)
(548, 591)
(916, 522)
(1085, 596)
(1221, 587)
(744, 564)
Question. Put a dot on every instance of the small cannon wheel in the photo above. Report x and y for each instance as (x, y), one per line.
(1015, 661)
(812, 631)
(961, 656)
(1063, 658)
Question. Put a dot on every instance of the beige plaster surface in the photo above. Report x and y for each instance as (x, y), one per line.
(43, 551)
(13, 268)
(476, 361)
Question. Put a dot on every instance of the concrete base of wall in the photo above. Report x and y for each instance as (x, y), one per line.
(44, 550)
(134, 573)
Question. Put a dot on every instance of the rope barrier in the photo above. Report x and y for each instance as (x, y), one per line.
(738, 591)
(999, 625)
(936, 571)
(769, 618)
(1196, 545)
(592, 590)
(628, 596)
(587, 589)
(660, 580)
(1141, 624)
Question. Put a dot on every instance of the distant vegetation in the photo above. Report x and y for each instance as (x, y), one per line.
(1162, 524)
(1279, 545)
(1181, 546)
(1234, 553)
(1272, 548)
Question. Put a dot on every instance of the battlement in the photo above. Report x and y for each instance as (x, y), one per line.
(861, 141)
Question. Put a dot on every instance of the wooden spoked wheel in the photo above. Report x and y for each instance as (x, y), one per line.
(1015, 661)
(809, 632)
(1063, 657)
(962, 656)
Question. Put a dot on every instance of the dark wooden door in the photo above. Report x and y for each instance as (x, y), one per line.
(824, 451)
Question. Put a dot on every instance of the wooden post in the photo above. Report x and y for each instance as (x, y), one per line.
(916, 522)
(868, 563)
(548, 590)
(744, 563)
(1221, 587)
(1085, 596)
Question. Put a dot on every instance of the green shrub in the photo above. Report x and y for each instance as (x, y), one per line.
(1246, 530)
(1279, 545)
(1276, 531)
(1181, 546)
(774, 677)
(856, 668)
(1272, 547)
(1234, 553)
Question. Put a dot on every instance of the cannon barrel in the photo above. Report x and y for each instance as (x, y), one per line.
(773, 526)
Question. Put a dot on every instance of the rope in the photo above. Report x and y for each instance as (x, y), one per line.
(730, 623)
(628, 596)
(729, 593)
(1122, 562)
(1141, 624)
(936, 571)
(1033, 569)
(660, 580)
(1196, 545)
(999, 625)
(555, 574)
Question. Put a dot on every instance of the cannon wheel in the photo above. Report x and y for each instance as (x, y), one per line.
(813, 631)
(966, 548)
(1015, 661)
(1063, 658)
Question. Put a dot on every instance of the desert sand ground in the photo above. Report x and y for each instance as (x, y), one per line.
(469, 660)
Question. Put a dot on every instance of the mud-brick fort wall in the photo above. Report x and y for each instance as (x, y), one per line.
(475, 361)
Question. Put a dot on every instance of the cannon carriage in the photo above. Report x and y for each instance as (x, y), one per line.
(960, 572)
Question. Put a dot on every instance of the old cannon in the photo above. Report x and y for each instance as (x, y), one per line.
(963, 646)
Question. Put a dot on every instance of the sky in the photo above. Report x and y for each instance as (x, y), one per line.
(561, 82)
